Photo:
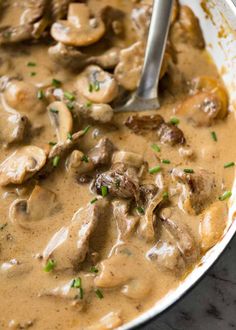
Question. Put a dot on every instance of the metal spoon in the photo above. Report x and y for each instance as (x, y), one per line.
(146, 96)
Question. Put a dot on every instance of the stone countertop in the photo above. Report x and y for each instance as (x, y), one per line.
(211, 305)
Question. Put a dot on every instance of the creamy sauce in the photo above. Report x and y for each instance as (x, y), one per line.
(119, 273)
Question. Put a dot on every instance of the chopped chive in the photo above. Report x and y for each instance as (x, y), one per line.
(69, 96)
(85, 159)
(104, 191)
(165, 161)
(88, 104)
(87, 129)
(99, 294)
(56, 161)
(51, 264)
(93, 269)
(32, 74)
(56, 83)
(70, 106)
(40, 94)
(53, 110)
(69, 136)
(229, 164)
(189, 170)
(140, 209)
(81, 293)
(93, 200)
(225, 195)
(155, 169)
(214, 136)
(3, 226)
(174, 121)
(51, 143)
(76, 283)
(31, 64)
(165, 195)
(155, 147)
(94, 86)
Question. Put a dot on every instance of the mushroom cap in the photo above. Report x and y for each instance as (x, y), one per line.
(61, 119)
(79, 29)
(21, 165)
(22, 97)
(97, 85)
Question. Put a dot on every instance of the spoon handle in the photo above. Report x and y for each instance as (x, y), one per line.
(158, 32)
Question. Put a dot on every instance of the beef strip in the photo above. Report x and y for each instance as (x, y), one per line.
(167, 133)
(200, 189)
(70, 245)
(170, 134)
(102, 152)
(121, 182)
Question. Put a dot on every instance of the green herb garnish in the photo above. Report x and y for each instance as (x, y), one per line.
(51, 143)
(3, 226)
(70, 105)
(85, 159)
(104, 191)
(87, 129)
(93, 200)
(174, 121)
(88, 104)
(214, 136)
(32, 74)
(165, 161)
(31, 64)
(99, 294)
(225, 195)
(40, 94)
(165, 195)
(95, 86)
(53, 110)
(229, 164)
(155, 169)
(51, 264)
(56, 83)
(69, 136)
(69, 96)
(155, 147)
(189, 170)
(93, 269)
(56, 161)
(76, 283)
(140, 209)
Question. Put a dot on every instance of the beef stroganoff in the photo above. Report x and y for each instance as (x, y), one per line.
(103, 213)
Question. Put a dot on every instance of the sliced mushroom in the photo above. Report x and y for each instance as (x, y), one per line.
(70, 245)
(128, 158)
(110, 321)
(212, 225)
(126, 222)
(126, 269)
(97, 85)
(22, 97)
(41, 204)
(12, 127)
(147, 223)
(22, 165)
(100, 112)
(208, 102)
(61, 119)
(80, 29)
(75, 163)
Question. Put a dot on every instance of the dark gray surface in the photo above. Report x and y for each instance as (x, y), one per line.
(211, 305)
